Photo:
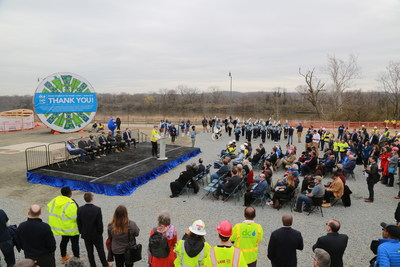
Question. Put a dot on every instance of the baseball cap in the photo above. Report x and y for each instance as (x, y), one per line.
(392, 229)
(319, 178)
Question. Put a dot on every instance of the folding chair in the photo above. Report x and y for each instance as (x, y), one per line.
(316, 204)
(212, 187)
(262, 199)
(237, 192)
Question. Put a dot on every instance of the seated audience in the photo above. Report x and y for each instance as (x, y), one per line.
(318, 191)
(177, 185)
(104, 144)
(228, 186)
(222, 171)
(283, 192)
(85, 146)
(92, 143)
(335, 190)
(127, 136)
(73, 150)
(310, 164)
(256, 190)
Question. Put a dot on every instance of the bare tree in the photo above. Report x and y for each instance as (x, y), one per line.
(342, 74)
(277, 97)
(390, 84)
(312, 90)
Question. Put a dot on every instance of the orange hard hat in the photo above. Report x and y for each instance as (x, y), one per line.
(224, 229)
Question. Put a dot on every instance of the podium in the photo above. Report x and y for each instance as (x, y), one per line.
(163, 142)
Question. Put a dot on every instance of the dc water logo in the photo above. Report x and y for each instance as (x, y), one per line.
(248, 233)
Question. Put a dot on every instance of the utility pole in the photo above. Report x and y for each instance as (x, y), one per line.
(230, 105)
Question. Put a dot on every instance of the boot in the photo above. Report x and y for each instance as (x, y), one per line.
(65, 258)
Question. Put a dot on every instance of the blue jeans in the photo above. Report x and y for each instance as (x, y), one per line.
(213, 177)
(8, 251)
(307, 202)
(79, 151)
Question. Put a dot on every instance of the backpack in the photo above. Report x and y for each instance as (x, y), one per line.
(158, 245)
(346, 196)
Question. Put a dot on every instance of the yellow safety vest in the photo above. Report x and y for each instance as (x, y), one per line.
(336, 146)
(232, 150)
(343, 147)
(62, 216)
(246, 236)
(327, 137)
(183, 260)
(225, 257)
(387, 134)
(154, 136)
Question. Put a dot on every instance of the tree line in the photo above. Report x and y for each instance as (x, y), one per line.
(331, 99)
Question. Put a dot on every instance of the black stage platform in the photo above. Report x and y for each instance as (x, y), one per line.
(115, 174)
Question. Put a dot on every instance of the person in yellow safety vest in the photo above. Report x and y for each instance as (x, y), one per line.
(225, 255)
(62, 220)
(247, 235)
(336, 149)
(374, 131)
(322, 140)
(231, 150)
(343, 149)
(386, 133)
(154, 138)
(192, 250)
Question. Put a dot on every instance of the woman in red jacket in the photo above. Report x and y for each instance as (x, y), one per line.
(385, 155)
(169, 232)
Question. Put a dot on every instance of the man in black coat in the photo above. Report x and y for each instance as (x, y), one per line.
(90, 225)
(283, 244)
(230, 184)
(177, 185)
(333, 243)
(37, 239)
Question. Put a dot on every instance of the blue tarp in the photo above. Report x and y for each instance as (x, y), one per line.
(124, 189)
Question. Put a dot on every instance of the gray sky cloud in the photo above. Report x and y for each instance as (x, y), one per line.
(143, 46)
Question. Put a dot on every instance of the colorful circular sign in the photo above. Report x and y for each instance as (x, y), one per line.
(65, 102)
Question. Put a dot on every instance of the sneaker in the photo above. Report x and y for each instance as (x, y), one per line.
(65, 258)
(97, 157)
(326, 205)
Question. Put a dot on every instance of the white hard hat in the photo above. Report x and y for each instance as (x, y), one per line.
(230, 143)
(242, 147)
(198, 227)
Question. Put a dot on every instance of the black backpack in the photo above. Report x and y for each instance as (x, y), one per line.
(158, 245)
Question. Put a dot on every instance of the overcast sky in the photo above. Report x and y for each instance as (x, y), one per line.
(143, 46)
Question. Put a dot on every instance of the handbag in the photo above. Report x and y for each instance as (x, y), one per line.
(133, 251)
(110, 256)
(391, 170)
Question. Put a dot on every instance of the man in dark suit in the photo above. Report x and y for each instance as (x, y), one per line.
(128, 138)
(90, 224)
(283, 244)
(177, 185)
(333, 243)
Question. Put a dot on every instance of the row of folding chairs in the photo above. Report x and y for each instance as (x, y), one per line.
(199, 178)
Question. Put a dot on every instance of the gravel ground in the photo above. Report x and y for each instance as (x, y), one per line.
(360, 221)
